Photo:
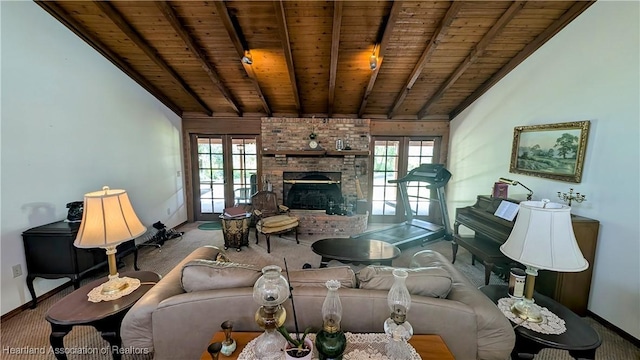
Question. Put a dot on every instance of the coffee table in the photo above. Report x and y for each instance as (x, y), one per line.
(580, 339)
(357, 251)
(106, 316)
(430, 347)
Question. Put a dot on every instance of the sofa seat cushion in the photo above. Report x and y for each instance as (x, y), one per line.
(201, 274)
(425, 281)
(319, 277)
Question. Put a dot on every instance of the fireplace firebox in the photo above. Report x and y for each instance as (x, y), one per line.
(311, 190)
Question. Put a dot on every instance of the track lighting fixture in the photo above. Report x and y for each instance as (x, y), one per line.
(247, 59)
(373, 59)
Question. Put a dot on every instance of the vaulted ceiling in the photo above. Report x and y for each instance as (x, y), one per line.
(313, 58)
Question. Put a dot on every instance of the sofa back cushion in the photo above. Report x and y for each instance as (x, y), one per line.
(426, 281)
(318, 277)
(199, 275)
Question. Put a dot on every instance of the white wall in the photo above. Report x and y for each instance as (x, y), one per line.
(589, 71)
(71, 123)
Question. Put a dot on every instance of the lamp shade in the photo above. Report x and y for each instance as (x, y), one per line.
(543, 238)
(108, 219)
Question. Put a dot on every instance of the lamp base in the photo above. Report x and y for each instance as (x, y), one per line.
(527, 310)
(113, 289)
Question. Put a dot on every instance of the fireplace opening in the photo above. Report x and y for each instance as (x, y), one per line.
(311, 190)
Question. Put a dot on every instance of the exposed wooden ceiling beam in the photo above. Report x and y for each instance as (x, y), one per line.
(388, 29)
(239, 43)
(426, 55)
(115, 16)
(57, 12)
(335, 49)
(281, 19)
(474, 55)
(578, 8)
(172, 18)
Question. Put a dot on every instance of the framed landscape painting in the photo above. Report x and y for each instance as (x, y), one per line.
(552, 151)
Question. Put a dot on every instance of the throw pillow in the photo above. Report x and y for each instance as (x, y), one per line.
(199, 275)
(318, 277)
(425, 281)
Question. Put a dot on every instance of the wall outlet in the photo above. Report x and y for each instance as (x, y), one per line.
(168, 211)
(17, 270)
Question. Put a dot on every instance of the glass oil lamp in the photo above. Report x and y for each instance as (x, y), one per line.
(397, 328)
(331, 341)
(270, 291)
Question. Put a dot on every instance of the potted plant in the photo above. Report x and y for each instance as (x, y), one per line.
(298, 347)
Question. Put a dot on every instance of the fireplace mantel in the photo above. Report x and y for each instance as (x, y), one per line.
(313, 153)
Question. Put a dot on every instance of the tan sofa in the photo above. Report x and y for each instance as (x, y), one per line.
(174, 324)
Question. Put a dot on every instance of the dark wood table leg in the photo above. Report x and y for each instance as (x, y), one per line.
(135, 259)
(58, 332)
(324, 262)
(583, 354)
(488, 267)
(109, 329)
(115, 343)
(76, 282)
(525, 349)
(32, 291)
(454, 249)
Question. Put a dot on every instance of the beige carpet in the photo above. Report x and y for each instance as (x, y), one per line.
(29, 331)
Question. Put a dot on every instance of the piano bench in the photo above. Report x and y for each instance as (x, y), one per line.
(485, 250)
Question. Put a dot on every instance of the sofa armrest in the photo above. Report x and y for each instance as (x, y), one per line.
(137, 328)
(496, 337)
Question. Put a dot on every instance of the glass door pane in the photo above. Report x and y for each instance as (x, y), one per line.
(385, 167)
(245, 169)
(210, 179)
(419, 152)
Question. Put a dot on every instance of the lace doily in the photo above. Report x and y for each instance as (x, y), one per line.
(96, 295)
(551, 323)
(359, 347)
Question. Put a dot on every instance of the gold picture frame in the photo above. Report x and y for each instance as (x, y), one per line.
(552, 151)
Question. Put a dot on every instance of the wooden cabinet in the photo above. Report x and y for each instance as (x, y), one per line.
(50, 254)
(572, 289)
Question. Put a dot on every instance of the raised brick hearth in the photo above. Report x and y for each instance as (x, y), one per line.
(314, 222)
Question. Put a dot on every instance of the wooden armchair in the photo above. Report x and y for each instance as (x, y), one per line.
(272, 218)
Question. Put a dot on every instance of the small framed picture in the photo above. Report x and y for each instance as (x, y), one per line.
(500, 190)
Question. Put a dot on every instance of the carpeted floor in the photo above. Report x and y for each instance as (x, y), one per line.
(30, 331)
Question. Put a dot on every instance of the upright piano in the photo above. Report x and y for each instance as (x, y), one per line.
(490, 231)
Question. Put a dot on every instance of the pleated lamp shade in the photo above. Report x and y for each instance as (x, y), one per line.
(543, 237)
(108, 219)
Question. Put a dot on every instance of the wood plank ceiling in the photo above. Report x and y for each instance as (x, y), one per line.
(313, 58)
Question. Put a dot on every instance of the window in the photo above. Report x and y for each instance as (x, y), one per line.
(393, 158)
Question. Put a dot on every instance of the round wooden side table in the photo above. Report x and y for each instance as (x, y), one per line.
(106, 316)
(580, 339)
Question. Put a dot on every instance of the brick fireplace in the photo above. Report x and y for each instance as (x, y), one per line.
(311, 190)
(285, 149)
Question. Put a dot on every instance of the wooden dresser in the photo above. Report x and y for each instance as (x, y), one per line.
(572, 289)
(50, 254)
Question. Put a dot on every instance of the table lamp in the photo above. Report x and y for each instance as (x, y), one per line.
(108, 219)
(270, 291)
(542, 239)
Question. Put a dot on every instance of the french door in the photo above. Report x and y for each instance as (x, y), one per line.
(393, 158)
(226, 173)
